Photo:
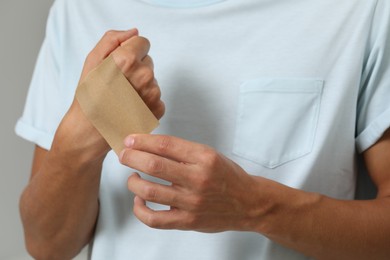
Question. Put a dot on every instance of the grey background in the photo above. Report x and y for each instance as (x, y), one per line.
(22, 28)
(22, 25)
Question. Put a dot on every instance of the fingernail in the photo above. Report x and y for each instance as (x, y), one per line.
(121, 154)
(129, 141)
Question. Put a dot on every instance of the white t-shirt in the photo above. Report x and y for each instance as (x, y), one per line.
(289, 90)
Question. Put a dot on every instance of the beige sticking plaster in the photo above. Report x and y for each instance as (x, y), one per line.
(113, 106)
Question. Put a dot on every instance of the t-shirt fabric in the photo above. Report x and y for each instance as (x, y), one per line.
(289, 90)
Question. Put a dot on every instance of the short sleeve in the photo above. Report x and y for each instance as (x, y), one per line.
(42, 111)
(373, 109)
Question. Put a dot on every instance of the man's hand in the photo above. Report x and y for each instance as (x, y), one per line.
(130, 53)
(209, 192)
(59, 207)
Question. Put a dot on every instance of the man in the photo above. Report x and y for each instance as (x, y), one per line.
(276, 98)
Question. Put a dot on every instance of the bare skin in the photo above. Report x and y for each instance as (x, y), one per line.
(60, 205)
(209, 193)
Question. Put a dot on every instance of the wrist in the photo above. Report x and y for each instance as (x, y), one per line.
(75, 157)
(279, 206)
(77, 141)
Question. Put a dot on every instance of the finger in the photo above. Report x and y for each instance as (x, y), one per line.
(156, 166)
(138, 45)
(171, 147)
(112, 40)
(142, 78)
(151, 97)
(147, 60)
(154, 192)
(161, 219)
(158, 109)
(129, 58)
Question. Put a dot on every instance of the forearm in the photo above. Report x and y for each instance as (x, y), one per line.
(60, 205)
(326, 228)
(59, 208)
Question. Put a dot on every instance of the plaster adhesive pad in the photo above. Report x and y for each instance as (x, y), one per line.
(113, 106)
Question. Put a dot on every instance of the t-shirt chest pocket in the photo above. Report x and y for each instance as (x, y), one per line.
(277, 119)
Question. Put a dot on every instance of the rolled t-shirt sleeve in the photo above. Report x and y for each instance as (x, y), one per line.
(373, 109)
(44, 109)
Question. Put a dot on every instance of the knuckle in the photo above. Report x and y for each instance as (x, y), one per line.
(125, 60)
(156, 92)
(149, 193)
(164, 144)
(147, 76)
(129, 61)
(144, 41)
(159, 111)
(153, 96)
(155, 166)
(151, 221)
(109, 34)
(210, 157)
(148, 61)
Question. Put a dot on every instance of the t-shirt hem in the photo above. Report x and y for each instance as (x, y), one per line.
(373, 132)
(33, 134)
